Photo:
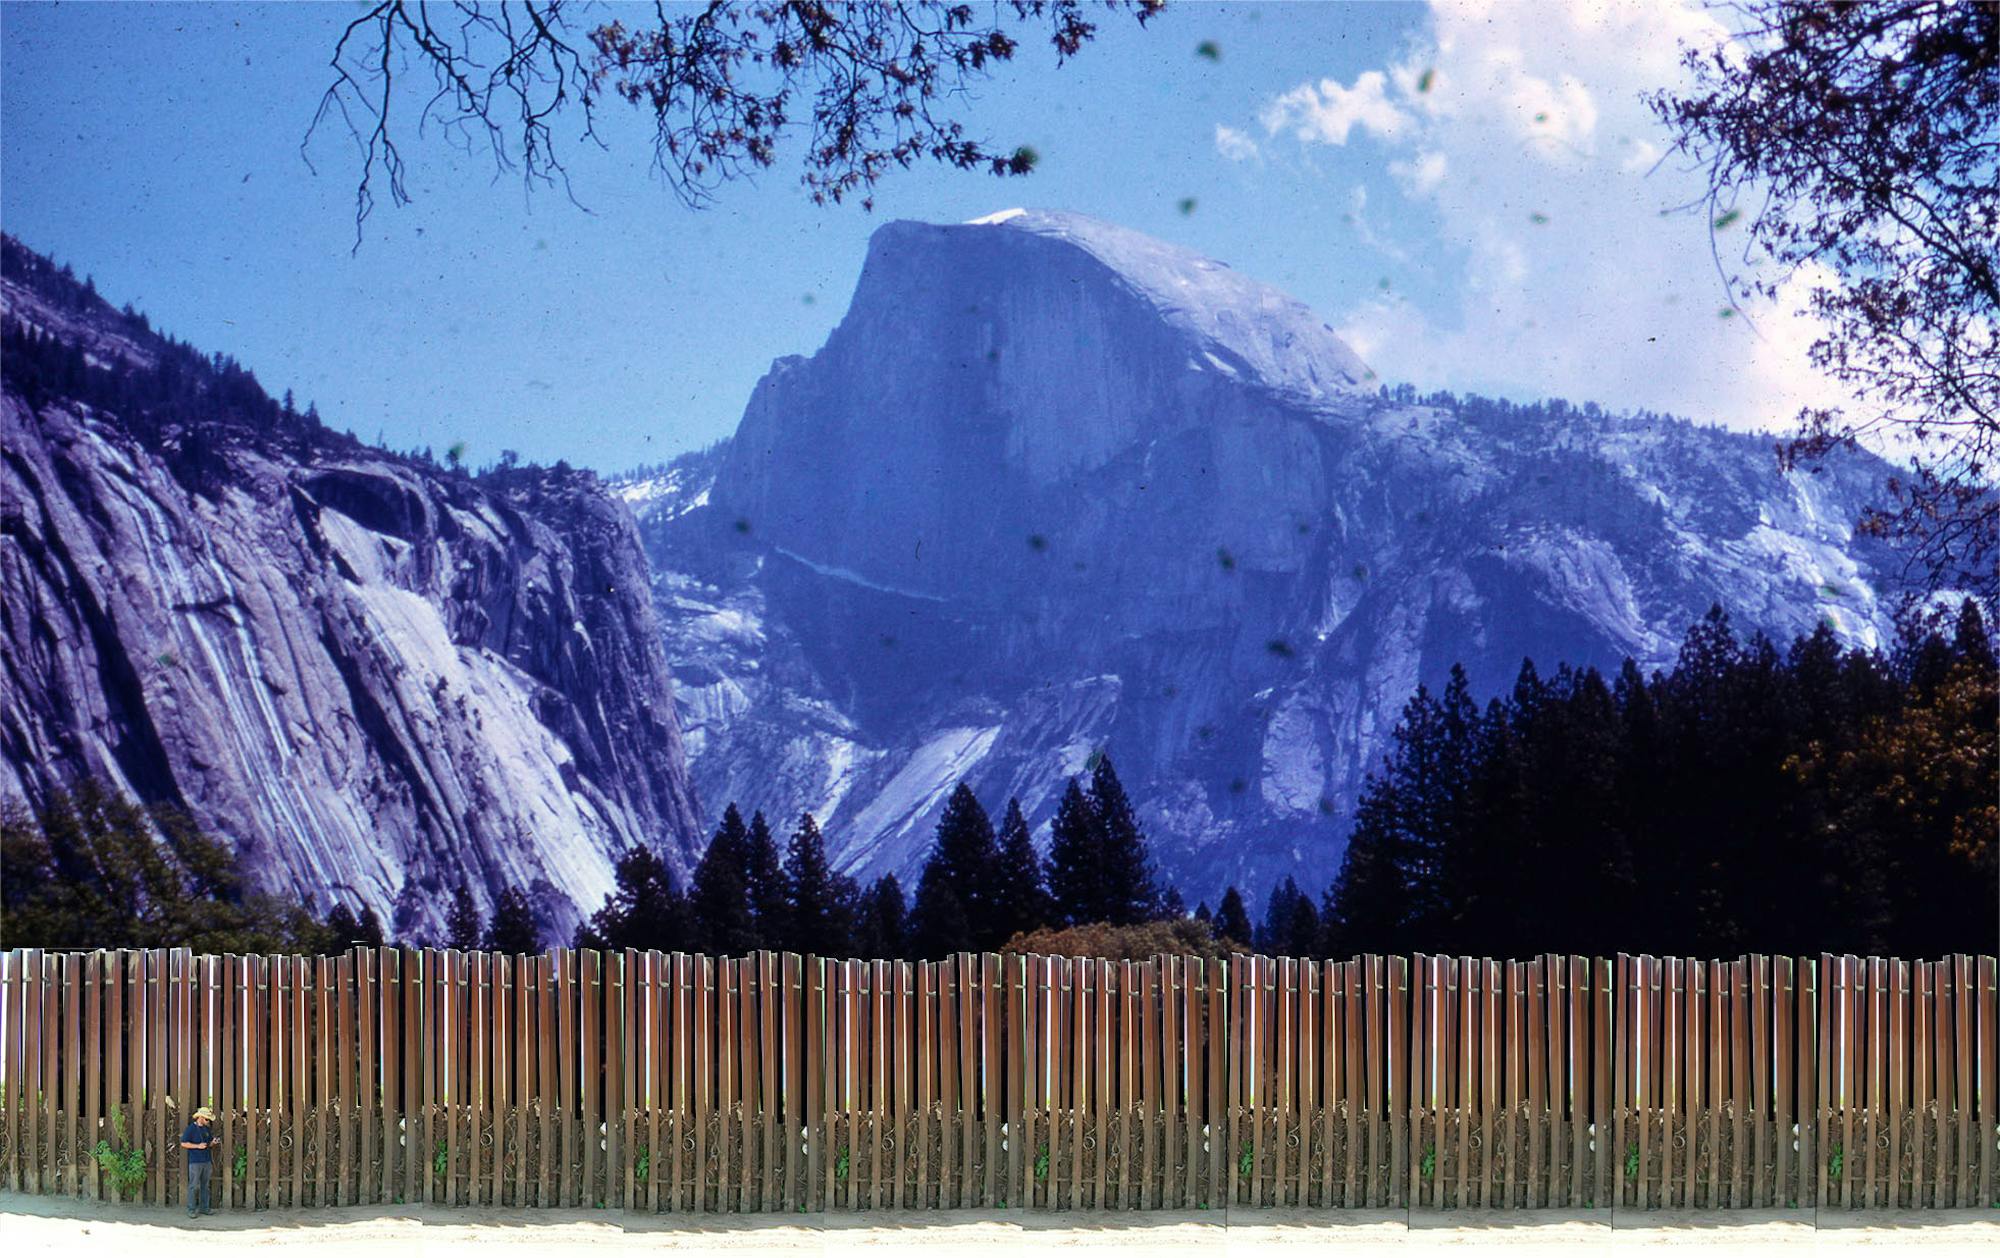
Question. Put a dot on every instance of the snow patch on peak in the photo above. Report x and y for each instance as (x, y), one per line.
(996, 218)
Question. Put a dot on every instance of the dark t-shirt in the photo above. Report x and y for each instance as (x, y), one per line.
(197, 1134)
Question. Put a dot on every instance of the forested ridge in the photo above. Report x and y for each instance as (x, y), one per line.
(1749, 798)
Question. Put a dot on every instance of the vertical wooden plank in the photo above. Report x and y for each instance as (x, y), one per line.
(1580, 1058)
(612, 1078)
(384, 1080)
(1760, 1074)
(1783, 1191)
(1921, 1059)
(1331, 1040)
(1535, 1188)
(1718, 1078)
(1805, 1015)
(1603, 1188)
(157, 983)
(992, 1072)
(1020, 1188)
(1407, 1081)
(1944, 990)
(1471, 1103)
(1372, 1029)
(1966, 1056)
(1989, 1081)
(1827, 1017)
(1216, 991)
(704, 977)
(820, 1092)
(1195, 1054)
(1853, 1047)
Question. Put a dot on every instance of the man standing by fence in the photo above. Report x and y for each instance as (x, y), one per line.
(196, 1140)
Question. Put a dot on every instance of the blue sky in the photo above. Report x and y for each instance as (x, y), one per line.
(1496, 225)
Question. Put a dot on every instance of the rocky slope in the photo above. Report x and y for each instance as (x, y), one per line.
(1052, 486)
(371, 676)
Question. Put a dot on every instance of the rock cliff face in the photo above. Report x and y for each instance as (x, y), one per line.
(1052, 486)
(372, 677)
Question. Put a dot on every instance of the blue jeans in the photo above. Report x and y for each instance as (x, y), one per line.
(198, 1174)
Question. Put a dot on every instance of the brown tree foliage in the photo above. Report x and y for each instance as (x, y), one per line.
(1864, 138)
(874, 85)
(1181, 936)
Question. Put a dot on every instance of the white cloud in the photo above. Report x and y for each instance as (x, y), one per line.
(1235, 145)
(1421, 174)
(1327, 113)
(1523, 132)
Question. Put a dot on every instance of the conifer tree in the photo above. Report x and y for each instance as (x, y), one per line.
(1232, 920)
(461, 926)
(368, 928)
(938, 925)
(1021, 900)
(964, 860)
(881, 926)
(645, 910)
(1073, 868)
(1126, 875)
(765, 882)
(818, 913)
(724, 922)
(513, 929)
(343, 929)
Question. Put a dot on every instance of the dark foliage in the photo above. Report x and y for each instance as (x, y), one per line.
(513, 928)
(645, 911)
(461, 924)
(1020, 896)
(93, 870)
(1232, 920)
(1750, 799)
(765, 883)
(1099, 869)
(958, 893)
(820, 902)
(724, 921)
(882, 926)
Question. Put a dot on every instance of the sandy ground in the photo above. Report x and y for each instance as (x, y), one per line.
(40, 1225)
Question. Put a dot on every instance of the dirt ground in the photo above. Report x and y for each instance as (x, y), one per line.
(42, 1226)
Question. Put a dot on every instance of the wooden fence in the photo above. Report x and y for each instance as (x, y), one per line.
(773, 1082)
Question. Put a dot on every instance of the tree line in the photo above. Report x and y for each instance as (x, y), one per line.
(1747, 798)
(980, 888)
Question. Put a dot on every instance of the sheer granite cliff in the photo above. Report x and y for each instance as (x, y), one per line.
(372, 677)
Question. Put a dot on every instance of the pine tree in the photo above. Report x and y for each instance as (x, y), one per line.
(818, 915)
(938, 925)
(1366, 907)
(1073, 867)
(1021, 900)
(1275, 934)
(881, 930)
(724, 922)
(461, 926)
(964, 861)
(765, 883)
(1126, 873)
(1232, 920)
(513, 929)
(343, 929)
(644, 910)
(368, 930)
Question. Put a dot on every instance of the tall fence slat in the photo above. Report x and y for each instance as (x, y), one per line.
(640, 1080)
